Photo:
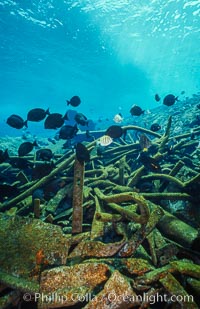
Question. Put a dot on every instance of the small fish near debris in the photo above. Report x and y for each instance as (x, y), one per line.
(82, 153)
(169, 100)
(44, 154)
(149, 162)
(54, 121)
(68, 132)
(74, 101)
(114, 131)
(155, 127)
(16, 122)
(136, 110)
(4, 156)
(145, 142)
(37, 114)
(81, 119)
(157, 97)
(118, 118)
(105, 140)
(25, 148)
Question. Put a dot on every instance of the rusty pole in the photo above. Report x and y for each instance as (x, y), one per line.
(77, 216)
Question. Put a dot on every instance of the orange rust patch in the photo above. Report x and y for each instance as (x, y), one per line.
(40, 258)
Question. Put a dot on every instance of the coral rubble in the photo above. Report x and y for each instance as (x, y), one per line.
(108, 235)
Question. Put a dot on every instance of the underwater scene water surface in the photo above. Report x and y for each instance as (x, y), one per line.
(100, 154)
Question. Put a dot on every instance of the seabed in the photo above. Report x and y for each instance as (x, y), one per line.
(117, 245)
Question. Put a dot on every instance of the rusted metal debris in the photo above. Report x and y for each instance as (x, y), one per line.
(176, 289)
(28, 245)
(120, 242)
(71, 284)
(117, 293)
(77, 217)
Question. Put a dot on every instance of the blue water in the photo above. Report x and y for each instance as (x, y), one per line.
(113, 54)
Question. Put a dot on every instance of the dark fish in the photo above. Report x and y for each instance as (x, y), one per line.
(20, 163)
(37, 114)
(16, 122)
(136, 110)
(82, 153)
(149, 162)
(169, 100)
(26, 147)
(198, 106)
(157, 97)
(81, 119)
(3, 156)
(68, 132)
(182, 92)
(44, 154)
(74, 101)
(144, 142)
(114, 131)
(54, 121)
(155, 127)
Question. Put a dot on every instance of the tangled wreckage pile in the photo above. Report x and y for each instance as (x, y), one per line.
(121, 243)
